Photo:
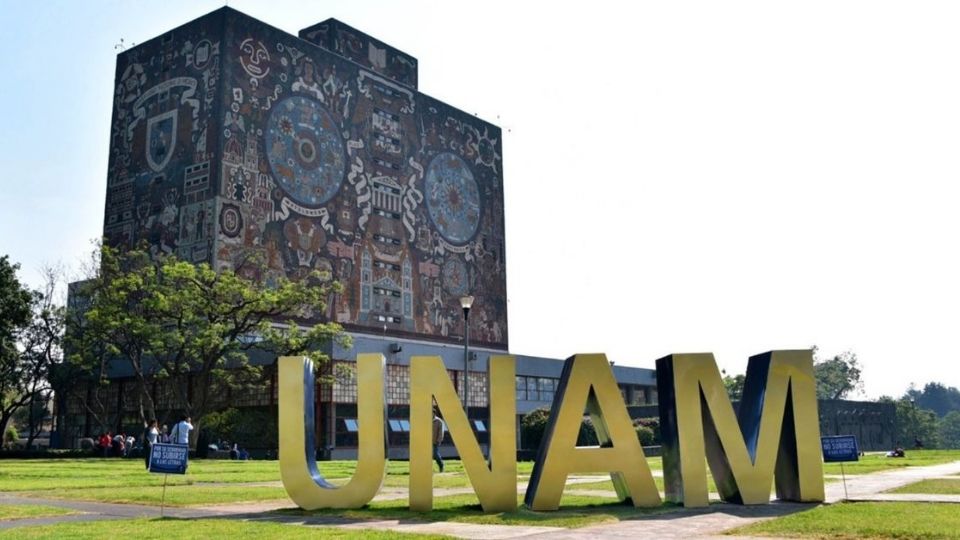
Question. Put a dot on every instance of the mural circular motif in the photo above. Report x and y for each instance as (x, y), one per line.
(305, 150)
(454, 275)
(453, 198)
(231, 222)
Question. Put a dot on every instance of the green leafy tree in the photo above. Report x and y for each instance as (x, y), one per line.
(837, 376)
(937, 397)
(171, 320)
(21, 369)
(734, 385)
(41, 346)
(914, 424)
(950, 430)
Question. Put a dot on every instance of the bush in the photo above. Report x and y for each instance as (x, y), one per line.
(534, 424)
(644, 435)
(10, 436)
(653, 424)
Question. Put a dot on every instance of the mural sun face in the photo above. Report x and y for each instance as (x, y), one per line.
(453, 198)
(305, 151)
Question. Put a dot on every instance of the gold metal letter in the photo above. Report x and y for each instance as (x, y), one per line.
(496, 485)
(776, 428)
(298, 466)
(587, 379)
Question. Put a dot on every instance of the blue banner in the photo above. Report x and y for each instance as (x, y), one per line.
(168, 458)
(840, 448)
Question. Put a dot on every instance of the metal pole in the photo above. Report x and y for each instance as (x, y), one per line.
(844, 476)
(466, 363)
(163, 496)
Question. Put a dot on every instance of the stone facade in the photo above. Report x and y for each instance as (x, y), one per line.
(233, 139)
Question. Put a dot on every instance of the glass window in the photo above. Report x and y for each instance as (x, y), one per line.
(395, 425)
(481, 428)
(405, 425)
(547, 387)
(521, 388)
(351, 424)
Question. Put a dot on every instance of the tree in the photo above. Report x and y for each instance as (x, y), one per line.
(915, 424)
(937, 397)
(22, 367)
(194, 327)
(734, 385)
(950, 430)
(838, 376)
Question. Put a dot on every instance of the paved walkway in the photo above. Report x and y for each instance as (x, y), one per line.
(680, 524)
(869, 485)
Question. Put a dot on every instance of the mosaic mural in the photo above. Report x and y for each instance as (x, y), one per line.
(231, 137)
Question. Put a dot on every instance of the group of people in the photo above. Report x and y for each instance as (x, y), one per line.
(119, 445)
(122, 445)
(236, 453)
(898, 450)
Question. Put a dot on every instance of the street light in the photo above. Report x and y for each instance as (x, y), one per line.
(466, 302)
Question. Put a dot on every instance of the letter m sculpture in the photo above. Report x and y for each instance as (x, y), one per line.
(775, 432)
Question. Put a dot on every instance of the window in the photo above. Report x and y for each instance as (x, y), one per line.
(479, 425)
(536, 388)
(351, 424)
(395, 425)
(547, 387)
(521, 388)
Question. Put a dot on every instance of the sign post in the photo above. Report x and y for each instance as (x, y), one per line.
(168, 459)
(839, 449)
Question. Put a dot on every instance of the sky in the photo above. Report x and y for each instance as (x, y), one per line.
(726, 177)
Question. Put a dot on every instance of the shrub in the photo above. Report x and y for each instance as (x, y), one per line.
(534, 424)
(10, 436)
(654, 425)
(644, 435)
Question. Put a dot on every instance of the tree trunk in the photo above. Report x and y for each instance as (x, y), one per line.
(4, 420)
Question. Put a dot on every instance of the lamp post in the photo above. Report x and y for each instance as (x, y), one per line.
(466, 302)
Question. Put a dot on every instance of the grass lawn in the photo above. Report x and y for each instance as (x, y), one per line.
(197, 528)
(936, 486)
(21, 511)
(176, 495)
(864, 520)
(44, 474)
(880, 462)
(575, 511)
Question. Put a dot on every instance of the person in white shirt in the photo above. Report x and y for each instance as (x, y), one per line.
(151, 438)
(181, 432)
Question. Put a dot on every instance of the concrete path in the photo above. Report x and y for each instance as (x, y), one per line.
(679, 524)
(867, 485)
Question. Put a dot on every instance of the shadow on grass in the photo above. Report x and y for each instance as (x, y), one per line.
(574, 512)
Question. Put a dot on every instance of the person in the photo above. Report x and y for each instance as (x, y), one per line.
(165, 435)
(150, 438)
(235, 452)
(439, 430)
(181, 431)
(104, 443)
(117, 446)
